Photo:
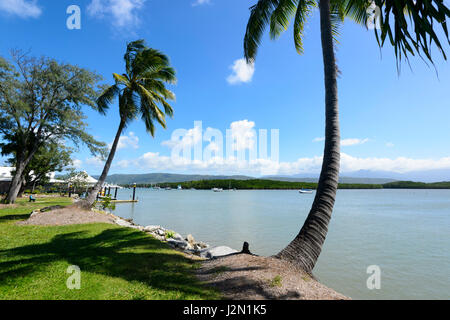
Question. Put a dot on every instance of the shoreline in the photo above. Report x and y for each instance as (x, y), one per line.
(186, 244)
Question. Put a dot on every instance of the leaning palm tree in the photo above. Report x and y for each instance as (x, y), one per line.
(408, 24)
(140, 91)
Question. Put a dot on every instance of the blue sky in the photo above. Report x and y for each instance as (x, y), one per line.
(389, 122)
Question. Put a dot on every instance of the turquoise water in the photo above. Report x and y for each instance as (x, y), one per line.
(404, 232)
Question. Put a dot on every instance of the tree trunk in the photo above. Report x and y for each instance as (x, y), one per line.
(17, 180)
(305, 249)
(93, 194)
(23, 186)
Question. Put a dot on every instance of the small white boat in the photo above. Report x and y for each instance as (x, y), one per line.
(217, 189)
(180, 187)
(305, 191)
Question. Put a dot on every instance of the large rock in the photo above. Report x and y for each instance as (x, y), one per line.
(152, 228)
(190, 239)
(217, 252)
(178, 237)
(178, 243)
(123, 223)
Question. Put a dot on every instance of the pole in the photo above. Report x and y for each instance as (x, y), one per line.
(115, 193)
(134, 192)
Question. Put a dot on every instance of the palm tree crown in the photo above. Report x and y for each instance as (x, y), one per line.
(141, 89)
(394, 15)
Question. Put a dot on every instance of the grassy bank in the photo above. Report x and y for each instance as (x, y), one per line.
(115, 263)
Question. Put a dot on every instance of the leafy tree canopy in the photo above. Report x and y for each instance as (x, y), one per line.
(41, 100)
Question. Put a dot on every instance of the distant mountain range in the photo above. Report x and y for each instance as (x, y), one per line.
(152, 178)
(362, 176)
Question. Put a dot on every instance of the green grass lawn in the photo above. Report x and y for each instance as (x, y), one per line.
(115, 263)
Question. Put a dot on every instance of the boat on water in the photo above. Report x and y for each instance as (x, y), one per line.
(217, 189)
(179, 187)
(306, 191)
(168, 188)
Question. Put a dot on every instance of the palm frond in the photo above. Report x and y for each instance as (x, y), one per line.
(304, 9)
(358, 10)
(423, 15)
(149, 61)
(121, 79)
(133, 48)
(106, 98)
(259, 19)
(281, 17)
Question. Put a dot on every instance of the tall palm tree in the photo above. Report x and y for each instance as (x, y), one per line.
(140, 91)
(305, 249)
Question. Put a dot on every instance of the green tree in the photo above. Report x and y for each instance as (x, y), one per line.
(140, 90)
(409, 26)
(41, 100)
(49, 158)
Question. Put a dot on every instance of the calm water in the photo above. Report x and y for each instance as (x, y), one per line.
(405, 232)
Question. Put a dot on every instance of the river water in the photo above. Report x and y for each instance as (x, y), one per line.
(406, 233)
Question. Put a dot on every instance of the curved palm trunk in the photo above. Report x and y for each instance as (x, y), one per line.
(93, 194)
(305, 249)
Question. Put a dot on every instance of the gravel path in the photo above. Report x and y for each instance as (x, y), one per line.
(250, 277)
(66, 216)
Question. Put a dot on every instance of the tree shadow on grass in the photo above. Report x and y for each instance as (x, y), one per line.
(13, 217)
(116, 252)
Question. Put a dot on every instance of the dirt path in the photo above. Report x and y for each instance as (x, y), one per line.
(249, 277)
(66, 216)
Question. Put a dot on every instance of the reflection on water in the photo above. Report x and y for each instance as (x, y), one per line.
(405, 232)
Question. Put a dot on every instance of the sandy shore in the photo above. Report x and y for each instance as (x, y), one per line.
(247, 277)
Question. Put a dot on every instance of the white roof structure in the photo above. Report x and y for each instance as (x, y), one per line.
(84, 179)
(5, 173)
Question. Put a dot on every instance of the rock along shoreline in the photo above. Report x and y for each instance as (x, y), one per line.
(185, 244)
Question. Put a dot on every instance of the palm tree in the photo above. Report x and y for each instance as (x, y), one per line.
(140, 90)
(305, 249)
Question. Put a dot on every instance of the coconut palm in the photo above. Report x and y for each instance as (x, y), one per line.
(305, 249)
(141, 91)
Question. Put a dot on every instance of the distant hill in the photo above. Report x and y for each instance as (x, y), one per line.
(355, 177)
(350, 180)
(434, 175)
(152, 178)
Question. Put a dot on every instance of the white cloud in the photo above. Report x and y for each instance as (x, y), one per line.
(21, 8)
(77, 163)
(200, 2)
(130, 141)
(242, 72)
(188, 138)
(154, 161)
(345, 142)
(95, 161)
(390, 145)
(353, 142)
(123, 13)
